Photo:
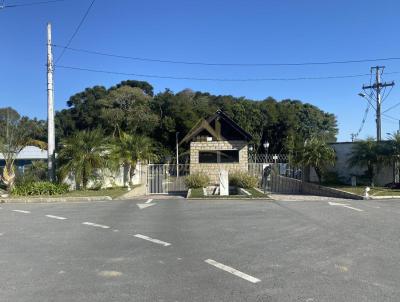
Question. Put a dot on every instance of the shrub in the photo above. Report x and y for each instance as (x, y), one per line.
(243, 180)
(197, 180)
(39, 188)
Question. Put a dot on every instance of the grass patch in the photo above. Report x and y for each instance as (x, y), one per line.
(196, 193)
(255, 193)
(375, 191)
(112, 192)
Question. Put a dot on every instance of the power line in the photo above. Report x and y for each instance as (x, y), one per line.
(391, 117)
(76, 30)
(29, 4)
(211, 79)
(390, 108)
(99, 53)
(354, 136)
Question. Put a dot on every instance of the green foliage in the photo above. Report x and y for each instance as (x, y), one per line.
(318, 154)
(197, 193)
(131, 107)
(36, 171)
(197, 180)
(243, 180)
(368, 153)
(16, 133)
(332, 178)
(39, 188)
(83, 155)
(128, 149)
(128, 109)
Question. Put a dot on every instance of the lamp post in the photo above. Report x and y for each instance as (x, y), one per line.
(266, 146)
(250, 154)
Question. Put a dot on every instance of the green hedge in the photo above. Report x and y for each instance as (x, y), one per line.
(243, 180)
(197, 180)
(39, 188)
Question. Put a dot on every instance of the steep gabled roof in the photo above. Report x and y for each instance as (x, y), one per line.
(202, 125)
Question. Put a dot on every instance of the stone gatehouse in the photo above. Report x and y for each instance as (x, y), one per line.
(216, 144)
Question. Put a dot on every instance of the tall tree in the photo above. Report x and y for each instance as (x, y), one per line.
(131, 106)
(128, 109)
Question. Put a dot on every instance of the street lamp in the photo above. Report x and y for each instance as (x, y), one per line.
(266, 146)
(250, 155)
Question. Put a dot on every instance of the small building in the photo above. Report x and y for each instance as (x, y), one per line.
(217, 144)
(25, 158)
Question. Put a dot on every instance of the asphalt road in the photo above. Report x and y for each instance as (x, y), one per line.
(178, 250)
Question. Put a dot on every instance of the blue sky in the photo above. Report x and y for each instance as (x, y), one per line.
(210, 31)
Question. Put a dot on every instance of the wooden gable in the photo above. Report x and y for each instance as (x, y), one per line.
(219, 127)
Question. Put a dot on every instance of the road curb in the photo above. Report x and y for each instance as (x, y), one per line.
(54, 199)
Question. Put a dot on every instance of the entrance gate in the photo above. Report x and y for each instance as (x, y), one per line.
(167, 178)
(170, 178)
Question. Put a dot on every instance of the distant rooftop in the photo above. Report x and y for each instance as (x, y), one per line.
(30, 152)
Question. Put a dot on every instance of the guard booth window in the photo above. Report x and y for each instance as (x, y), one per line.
(222, 156)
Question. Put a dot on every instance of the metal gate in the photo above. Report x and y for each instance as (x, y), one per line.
(167, 178)
(277, 177)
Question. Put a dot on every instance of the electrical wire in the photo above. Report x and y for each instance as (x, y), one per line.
(391, 117)
(76, 30)
(390, 108)
(363, 121)
(386, 96)
(99, 53)
(29, 4)
(210, 79)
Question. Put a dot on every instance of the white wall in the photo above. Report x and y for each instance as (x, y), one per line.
(343, 153)
(110, 179)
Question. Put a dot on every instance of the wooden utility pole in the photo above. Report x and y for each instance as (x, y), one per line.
(377, 86)
(50, 108)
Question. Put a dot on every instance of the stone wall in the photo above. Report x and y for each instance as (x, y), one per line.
(211, 169)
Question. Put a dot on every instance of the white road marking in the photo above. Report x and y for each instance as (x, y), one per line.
(232, 271)
(148, 201)
(145, 205)
(21, 211)
(345, 206)
(152, 239)
(96, 225)
(56, 217)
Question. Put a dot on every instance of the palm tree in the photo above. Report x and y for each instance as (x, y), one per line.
(390, 153)
(14, 137)
(367, 153)
(319, 155)
(83, 155)
(129, 149)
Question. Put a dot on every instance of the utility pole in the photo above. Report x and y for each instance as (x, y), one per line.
(50, 108)
(377, 86)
